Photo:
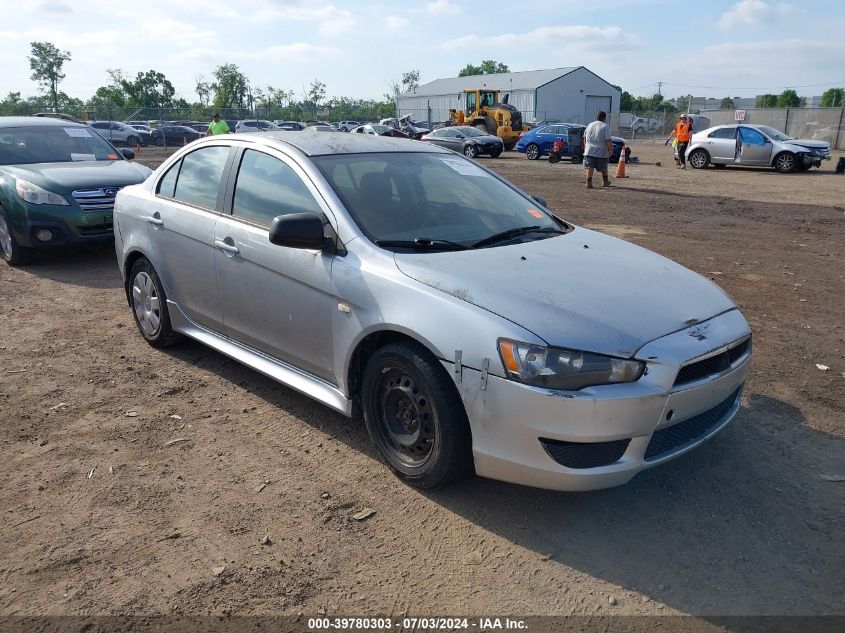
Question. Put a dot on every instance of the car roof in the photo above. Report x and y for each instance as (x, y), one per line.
(320, 144)
(35, 121)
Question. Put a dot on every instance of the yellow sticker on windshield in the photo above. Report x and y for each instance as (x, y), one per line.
(535, 213)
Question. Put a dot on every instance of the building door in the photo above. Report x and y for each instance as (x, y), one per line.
(592, 106)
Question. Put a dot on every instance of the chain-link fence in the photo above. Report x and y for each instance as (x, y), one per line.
(819, 124)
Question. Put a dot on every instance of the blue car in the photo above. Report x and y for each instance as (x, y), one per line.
(538, 142)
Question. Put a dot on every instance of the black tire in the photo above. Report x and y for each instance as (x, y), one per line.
(146, 298)
(471, 151)
(496, 153)
(12, 253)
(510, 145)
(576, 159)
(785, 162)
(532, 151)
(699, 159)
(132, 141)
(415, 416)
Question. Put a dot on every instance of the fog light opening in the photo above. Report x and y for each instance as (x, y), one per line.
(44, 235)
(670, 414)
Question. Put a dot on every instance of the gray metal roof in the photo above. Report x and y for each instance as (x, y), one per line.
(525, 80)
(314, 143)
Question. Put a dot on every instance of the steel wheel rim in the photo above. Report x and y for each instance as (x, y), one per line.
(146, 303)
(5, 238)
(406, 419)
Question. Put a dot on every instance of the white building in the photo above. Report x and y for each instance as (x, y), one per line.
(572, 95)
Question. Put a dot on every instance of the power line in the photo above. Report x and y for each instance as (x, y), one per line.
(826, 83)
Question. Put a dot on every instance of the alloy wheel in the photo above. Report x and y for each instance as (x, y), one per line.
(146, 303)
(785, 163)
(533, 152)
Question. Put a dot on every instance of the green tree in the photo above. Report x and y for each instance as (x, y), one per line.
(788, 99)
(487, 67)
(767, 101)
(316, 92)
(727, 104)
(626, 102)
(833, 98)
(149, 90)
(46, 62)
(12, 105)
(203, 89)
(410, 80)
(230, 87)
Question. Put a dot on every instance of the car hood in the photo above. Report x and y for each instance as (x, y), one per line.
(584, 290)
(66, 177)
(809, 144)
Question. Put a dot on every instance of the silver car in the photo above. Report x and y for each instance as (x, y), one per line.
(755, 145)
(473, 329)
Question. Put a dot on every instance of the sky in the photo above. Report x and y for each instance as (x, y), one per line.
(715, 48)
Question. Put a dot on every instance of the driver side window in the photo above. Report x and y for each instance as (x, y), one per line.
(751, 136)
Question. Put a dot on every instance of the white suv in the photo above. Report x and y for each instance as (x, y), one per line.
(256, 125)
(347, 126)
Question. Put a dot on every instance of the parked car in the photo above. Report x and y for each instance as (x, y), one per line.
(410, 283)
(255, 125)
(116, 132)
(406, 125)
(292, 126)
(58, 181)
(323, 128)
(374, 129)
(755, 145)
(538, 141)
(141, 127)
(467, 140)
(347, 126)
(174, 135)
(202, 128)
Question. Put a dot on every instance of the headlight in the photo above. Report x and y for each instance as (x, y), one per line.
(555, 368)
(34, 194)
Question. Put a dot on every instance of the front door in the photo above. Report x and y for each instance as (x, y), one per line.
(181, 223)
(752, 147)
(275, 299)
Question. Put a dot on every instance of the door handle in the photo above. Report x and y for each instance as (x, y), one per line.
(228, 248)
(156, 221)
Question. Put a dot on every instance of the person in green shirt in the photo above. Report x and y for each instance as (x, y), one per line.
(217, 126)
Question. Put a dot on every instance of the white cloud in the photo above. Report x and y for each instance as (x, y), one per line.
(331, 21)
(751, 13)
(754, 59)
(396, 23)
(438, 7)
(53, 6)
(580, 37)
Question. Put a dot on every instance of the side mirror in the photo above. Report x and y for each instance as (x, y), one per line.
(128, 154)
(461, 135)
(298, 230)
(540, 200)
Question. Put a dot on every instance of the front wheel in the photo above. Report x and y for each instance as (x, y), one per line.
(415, 417)
(532, 151)
(149, 305)
(471, 151)
(12, 253)
(699, 159)
(785, 162)
(133, 141)
(576, 159)
(496, 153)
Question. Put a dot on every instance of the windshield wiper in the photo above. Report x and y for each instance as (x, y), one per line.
(424, 243)
(516, 232)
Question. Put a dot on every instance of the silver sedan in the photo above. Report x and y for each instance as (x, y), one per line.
(474, 330)
(757, 146)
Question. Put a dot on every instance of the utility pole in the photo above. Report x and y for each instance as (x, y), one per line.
(659, 86)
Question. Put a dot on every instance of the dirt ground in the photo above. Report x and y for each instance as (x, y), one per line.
(138, 481)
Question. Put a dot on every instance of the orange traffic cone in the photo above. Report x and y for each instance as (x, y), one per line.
(620, 168)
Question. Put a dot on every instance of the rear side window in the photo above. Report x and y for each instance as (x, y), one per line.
(725, 132)
(267, 187)
(200, 176)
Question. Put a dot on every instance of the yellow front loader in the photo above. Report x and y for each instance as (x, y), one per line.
(484, 111)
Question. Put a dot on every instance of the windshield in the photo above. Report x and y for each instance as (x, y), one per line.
(428, 196)
(42, 144)
(471, 131)
(774, 134)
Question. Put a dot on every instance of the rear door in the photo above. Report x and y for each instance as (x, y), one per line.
(275, 299)
(181, 228)
(721, 144)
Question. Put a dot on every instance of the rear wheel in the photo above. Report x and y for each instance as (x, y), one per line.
(510, 145)
(133, 141)
(532, 151)
(576, 159)
(699, 159)
(496, 153)
(415, 417)
(149, 305)
(12, 253)
(471, 151)
(785, 162)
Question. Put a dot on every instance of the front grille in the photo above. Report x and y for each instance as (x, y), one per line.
(584, 455)
(684, 433)
(101, 199)
(713, 365)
